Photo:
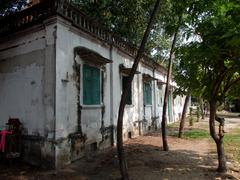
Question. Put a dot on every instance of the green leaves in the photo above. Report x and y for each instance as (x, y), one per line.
(126, 18)
(129, 19)
(11, 6)
(207, 61)
(210, 67)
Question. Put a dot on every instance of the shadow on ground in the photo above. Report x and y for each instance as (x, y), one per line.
(235, 115)
(145, 162)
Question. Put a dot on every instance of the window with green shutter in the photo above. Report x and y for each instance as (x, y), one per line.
(147, 93)
(91, 85)
(124, 84)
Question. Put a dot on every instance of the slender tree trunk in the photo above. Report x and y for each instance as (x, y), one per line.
(184, 112)
(164, 121)
(120, 149)
(222, 166)
(164, 113)
(201, 104)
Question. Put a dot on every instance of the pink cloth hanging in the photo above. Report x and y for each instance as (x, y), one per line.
(3, 134)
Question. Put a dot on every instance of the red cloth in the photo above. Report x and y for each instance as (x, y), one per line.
(3, 134)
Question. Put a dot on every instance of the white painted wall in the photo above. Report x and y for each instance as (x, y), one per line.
(26, 85)
(21, 95)
(38, 85)
(178, 107)
(66, 93)
(27, 81)
(69, 38)
(159, 97)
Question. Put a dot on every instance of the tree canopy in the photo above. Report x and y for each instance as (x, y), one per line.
(10, 6)
(211, 66)
(129, 19)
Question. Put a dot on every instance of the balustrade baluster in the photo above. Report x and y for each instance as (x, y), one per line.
(83, 22)
(65, 12)
(87, 25)
(78, 19)
(91, 28)
(68, 11)
(100, 33)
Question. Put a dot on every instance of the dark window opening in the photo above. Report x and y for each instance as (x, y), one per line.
(129, 135)
(124, 84)
(93, 147)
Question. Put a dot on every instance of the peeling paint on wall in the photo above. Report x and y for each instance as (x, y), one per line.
(47, 71)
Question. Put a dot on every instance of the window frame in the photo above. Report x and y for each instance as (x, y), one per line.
(131, 88)
(91, 104)
(146, 99)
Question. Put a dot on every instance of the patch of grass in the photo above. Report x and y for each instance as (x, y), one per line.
(232, 144)
(196, 134)
(190, 133)
(173, 125)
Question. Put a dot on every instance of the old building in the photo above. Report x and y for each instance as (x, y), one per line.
(62, 75)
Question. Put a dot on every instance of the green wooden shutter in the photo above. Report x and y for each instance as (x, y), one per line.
(150, 94)
(86, 85)
(96, 92)
(147, 93)
(91, 85)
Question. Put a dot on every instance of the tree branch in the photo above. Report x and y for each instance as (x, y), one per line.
(218, 83)
(229, 86)
(220, 79)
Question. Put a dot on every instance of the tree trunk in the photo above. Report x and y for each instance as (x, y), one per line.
(164, 116)
(164, 121)
(184, 112)
(222, 166)
(120, 149)
(201, 104)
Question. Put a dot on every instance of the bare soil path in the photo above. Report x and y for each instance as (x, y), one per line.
(188, 159)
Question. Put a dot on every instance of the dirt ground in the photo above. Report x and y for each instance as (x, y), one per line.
(187, 159)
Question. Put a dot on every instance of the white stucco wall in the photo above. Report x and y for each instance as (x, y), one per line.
(26, 85)
(178, 107)
(131, 113)
(41, 86)
(159, 97)
(27, 81)
(69, 38)
(66, 93)
(21, 97)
